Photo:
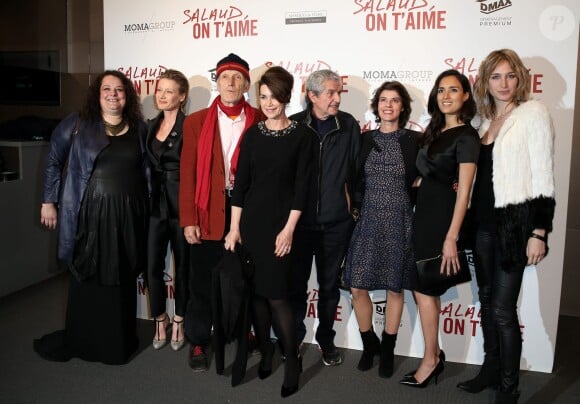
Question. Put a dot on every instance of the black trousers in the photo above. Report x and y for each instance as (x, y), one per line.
(498, 296)
(327, 244)
(161, 232)
(203, 259)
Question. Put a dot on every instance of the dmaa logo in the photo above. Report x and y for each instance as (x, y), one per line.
(488, 7)
(380, 307)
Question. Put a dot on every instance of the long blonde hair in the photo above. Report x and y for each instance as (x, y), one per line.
(485, 102)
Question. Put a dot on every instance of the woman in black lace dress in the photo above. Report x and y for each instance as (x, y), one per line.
(270, 192)
(99, 204)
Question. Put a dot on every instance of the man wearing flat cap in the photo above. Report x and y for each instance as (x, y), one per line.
(209, 157)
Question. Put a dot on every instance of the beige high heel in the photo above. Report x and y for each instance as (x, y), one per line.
(157, 342)
(178, 343)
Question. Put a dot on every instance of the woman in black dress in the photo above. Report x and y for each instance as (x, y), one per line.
(164, 140)
(100, 206)
(270, 192)
(447, 165)
(381, 254)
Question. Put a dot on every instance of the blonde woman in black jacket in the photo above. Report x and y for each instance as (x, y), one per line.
(164, 141)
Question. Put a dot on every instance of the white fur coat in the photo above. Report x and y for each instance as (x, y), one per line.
(523, 155)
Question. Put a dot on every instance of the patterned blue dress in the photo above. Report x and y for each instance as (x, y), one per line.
(380, 255)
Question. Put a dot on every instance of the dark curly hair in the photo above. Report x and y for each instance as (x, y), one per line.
(91, 110)
(405, 100)
(437, 122)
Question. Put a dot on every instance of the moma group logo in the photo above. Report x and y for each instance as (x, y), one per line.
(151, 26)
(402, 75)
(491, 6)
(493, 18)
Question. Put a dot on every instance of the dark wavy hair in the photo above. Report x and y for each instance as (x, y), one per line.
(91, 110)
(279, 81)
(437, 122)
(405, 99)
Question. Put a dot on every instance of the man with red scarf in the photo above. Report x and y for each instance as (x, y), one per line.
(209, 157)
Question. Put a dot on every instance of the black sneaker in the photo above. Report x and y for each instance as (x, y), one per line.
(331, 356)
(198, 359)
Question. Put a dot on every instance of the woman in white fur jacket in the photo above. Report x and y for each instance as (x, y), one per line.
(512, 210)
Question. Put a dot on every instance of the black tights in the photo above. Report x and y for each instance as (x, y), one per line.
(498, 296)
(277, 312)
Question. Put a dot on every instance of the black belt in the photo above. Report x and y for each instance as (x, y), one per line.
(228, 193)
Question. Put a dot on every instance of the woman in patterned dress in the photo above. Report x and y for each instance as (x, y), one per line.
(381, 254)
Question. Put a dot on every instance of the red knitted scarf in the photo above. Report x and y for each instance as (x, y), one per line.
(204, 152)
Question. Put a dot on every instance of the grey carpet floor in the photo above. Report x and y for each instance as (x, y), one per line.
(164, 376)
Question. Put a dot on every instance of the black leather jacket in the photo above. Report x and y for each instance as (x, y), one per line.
(66, 189)
(334, 169)
(165, 168)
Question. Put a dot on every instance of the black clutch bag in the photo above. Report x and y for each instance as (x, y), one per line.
(430, 277)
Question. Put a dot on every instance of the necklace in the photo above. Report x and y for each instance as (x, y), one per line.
(114, 130)
(506, 111)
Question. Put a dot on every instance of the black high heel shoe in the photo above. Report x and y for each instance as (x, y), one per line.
(412, 382)
(265, 369)
(409, 378)
(412, 372)
(288, 391)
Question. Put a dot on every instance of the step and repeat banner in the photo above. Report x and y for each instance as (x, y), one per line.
(368, 42)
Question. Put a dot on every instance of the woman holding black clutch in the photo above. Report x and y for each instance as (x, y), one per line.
(447, 165)
(513, 207)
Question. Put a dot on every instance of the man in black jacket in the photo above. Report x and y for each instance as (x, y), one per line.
(326, 224)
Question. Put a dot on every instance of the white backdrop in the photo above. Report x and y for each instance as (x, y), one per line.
(368, 42)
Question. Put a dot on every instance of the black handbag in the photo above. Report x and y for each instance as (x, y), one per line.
(430, 277)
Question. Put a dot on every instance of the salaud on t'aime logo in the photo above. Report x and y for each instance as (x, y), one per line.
(491, 6)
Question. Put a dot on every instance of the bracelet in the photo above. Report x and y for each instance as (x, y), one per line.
(543, 238)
